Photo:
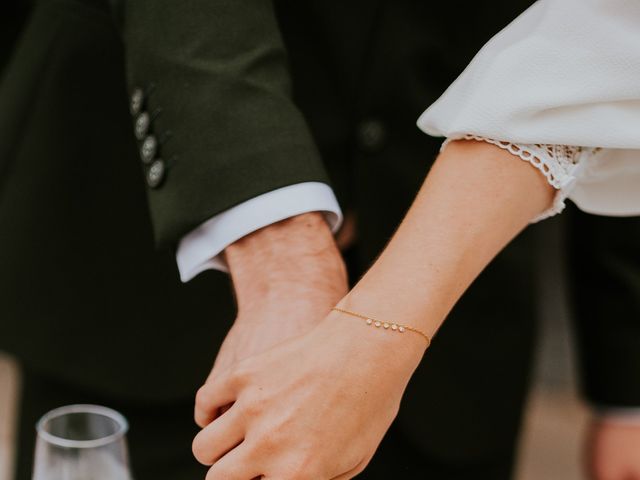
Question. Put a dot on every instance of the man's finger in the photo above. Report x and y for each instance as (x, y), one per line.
(217, 393)
(241, 463)
(219, 437)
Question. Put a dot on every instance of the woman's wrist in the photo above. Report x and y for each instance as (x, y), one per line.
(386, 348)
(420, 319)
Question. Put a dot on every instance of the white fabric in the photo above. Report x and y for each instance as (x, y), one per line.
(560, 164)
(566, 72)
(201, 249)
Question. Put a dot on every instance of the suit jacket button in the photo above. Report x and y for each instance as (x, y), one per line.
(142, 125)
(137, 99)
(156, 174)
(149, 149)
(371, 135)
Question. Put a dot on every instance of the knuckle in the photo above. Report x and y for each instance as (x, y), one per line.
(252, 407)
(241, 374)
(203, 396)
(201, 419)
(200, 450)
(268, 442)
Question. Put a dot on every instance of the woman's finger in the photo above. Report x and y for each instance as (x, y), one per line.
(239, 464)
(219, 437)
(218, 392)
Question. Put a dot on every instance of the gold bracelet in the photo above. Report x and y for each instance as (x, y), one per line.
(396, 327)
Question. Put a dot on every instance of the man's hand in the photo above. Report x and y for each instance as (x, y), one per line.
(614, 451)
(286, 278)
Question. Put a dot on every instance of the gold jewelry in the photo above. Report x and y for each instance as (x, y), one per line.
(396, 327)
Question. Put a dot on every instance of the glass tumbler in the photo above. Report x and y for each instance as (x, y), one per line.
(82, 442)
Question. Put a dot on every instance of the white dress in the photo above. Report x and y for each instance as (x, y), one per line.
(559, 87)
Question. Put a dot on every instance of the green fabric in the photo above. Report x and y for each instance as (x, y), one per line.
(217, 70)
(85, 296)
(11, 23)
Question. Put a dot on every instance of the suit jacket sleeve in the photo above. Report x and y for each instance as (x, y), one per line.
(211, 77)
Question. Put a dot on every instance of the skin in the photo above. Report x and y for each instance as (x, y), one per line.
(317, 406)
(289, 270)
(613, 450)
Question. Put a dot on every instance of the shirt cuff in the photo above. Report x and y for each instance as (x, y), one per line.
(622, 415)
(561, 165)
(201, 248)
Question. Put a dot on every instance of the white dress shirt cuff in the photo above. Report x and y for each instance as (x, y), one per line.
(201, 248)
(623, 415)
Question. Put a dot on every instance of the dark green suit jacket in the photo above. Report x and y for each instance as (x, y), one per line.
(242, 97)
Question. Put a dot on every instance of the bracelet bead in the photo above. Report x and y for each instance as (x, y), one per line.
(396, 327)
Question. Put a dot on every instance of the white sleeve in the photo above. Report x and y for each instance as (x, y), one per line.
(561, 165)
(200, 249)
(563, 74)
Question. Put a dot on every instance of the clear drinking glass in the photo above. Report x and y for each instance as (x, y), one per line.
(82, 442)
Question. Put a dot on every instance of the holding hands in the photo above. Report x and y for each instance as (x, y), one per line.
(286, 277)
(295, 410)
(302, 392)
(316, 407)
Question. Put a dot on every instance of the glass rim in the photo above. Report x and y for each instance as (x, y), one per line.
(117, 417)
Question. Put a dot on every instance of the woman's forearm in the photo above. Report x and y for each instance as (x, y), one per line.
(475, 200)
(318, 405)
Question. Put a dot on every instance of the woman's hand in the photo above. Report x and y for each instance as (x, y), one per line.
(275, 322)
(315, 407)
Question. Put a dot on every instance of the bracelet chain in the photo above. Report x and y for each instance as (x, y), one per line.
(396, 327)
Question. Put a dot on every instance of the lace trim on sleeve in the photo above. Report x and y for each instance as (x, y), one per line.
(559, 164)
